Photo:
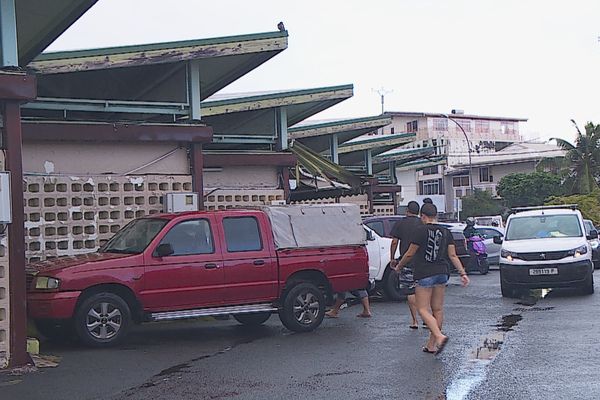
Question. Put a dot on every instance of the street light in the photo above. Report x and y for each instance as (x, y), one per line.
(468, 146)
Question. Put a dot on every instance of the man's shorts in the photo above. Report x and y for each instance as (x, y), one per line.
(361, 294)
(433, 281)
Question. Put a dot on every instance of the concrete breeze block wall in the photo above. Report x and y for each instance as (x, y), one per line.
(69, 215)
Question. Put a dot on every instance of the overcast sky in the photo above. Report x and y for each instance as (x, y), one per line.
(538, 59)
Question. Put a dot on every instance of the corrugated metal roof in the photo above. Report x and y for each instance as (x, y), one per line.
(39, 23)
(455, 116)
(516, 153)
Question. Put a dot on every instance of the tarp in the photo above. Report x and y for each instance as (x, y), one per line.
(302, 226)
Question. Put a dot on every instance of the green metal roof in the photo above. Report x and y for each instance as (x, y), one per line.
(251, 115)
(144, 48)
(39, 23)
(376, 142)
(153, 72)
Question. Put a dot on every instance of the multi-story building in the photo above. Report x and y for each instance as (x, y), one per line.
(459, 141)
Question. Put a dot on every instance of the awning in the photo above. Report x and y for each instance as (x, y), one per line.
(319, 166)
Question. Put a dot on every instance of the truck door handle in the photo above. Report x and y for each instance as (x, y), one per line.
(211, 266)
(259, 262)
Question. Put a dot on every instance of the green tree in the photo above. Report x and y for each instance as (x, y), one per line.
(480, 203)
(580, 167)
(520, 190)
(588, 204)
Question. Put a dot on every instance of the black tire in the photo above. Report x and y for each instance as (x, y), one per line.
(252, 319)
(55, 331)
(588, 286)
(390, 286)
(312, 302)
(109, 319)
(484, 266)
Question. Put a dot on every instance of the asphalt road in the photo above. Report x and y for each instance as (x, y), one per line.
(545, 347)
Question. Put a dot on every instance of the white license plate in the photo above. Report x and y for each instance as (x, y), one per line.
(543, 271)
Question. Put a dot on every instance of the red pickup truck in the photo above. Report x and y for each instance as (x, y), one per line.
(247, 263)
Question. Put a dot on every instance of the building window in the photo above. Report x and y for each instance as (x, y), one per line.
(458, 193)
(412, 126)
(440, 124)
(392, 130)
(484, 174)
(482, 126)
(460, 181)
(430, 170)
(431, 187)
(508, 128)
(466, 125)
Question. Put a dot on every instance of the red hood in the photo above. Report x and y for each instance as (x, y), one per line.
(73, 261)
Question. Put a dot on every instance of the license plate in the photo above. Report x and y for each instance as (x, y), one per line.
(543, 271)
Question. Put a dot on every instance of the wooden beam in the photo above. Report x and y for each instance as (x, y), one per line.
(95, 132)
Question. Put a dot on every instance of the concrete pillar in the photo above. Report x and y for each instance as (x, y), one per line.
(8, 34)
(334, 148)
(281, 128)
(193, 74)
(197, 161)
(369, 162)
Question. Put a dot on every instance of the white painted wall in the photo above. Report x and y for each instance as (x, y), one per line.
(408, 181)
(243, 177)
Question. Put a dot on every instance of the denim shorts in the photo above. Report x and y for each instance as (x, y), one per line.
(431, 281)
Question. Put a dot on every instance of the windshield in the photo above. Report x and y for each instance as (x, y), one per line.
(543, 226)
(135, 236)
(589, 226)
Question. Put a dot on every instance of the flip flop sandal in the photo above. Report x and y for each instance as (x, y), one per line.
(328, 315)
(413, 326)
(364, 316)
(426, 350)
(441, 346)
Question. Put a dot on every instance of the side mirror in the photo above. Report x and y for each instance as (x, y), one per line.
(370, 236)
(164, 249)
(593, 235)
(497, 239)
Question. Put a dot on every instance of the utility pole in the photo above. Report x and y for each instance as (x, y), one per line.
(382, 92)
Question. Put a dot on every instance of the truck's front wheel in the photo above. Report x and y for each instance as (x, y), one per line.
(303, 308)
(102, 319)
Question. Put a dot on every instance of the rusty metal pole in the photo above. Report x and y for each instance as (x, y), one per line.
(16, 232)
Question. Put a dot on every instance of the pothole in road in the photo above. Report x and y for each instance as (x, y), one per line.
(473, 373)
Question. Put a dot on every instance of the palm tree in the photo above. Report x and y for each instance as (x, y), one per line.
(580, 167)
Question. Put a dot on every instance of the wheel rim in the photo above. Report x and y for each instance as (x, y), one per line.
(104, 321)
(306, 308)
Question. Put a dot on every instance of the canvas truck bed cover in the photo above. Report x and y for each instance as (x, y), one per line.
(302, 226)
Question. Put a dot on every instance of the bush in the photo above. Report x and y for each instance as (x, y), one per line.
(589, 204)
(479, 204)
(521, 190)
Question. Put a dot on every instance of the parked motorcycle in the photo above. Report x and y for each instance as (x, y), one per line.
(478, 253)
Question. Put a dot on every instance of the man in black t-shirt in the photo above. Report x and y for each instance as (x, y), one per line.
(402, 232)
(429, 252)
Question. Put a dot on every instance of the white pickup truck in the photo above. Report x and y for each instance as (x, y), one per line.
(380, 272)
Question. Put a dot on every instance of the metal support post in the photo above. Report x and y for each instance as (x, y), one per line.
(334, 148)
(8, 34)
(281, 128)
(369, 162)
(193, 73)
(197, 159)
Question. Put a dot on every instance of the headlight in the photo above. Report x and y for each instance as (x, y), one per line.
(578, 252)
(509, 255)
(44, 282)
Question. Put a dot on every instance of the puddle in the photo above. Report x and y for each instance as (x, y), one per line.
(474, 372)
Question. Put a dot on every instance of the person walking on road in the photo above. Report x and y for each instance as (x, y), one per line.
(341, 298)
(430, 249)
(402, 232)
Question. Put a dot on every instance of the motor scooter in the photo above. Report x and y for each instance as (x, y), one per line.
(478, 253)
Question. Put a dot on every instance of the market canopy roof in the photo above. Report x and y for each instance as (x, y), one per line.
(352, 153)
(39, 23)
(153, 72)
(247, 117)
(317, 134)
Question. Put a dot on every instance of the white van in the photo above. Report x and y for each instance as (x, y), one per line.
(545, 247)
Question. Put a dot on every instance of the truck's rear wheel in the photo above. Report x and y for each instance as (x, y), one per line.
(303, 308)
(102, 319)
(391, 286)
(252, 318)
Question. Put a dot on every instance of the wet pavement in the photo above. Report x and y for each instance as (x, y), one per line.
(542, 346)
